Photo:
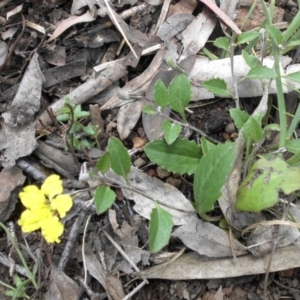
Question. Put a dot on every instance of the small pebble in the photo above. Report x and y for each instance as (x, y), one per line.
(162, 173)
(174, 181)
(226, 136)
(138, 142)
(139, 162)
(230, 128)
(234, 135)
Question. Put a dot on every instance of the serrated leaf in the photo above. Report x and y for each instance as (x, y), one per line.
(222, 43)
(150, 110)
(293, 76)
(63, 117)
(181, 157)
(261, 72)
(239, 117)
(103, 164)
(250, 60)
(171, 131)
(275, 33)
(247, 36)
(89, 130)
(161, 94)
(206, 145)
(260, 188)
(217, 86)
(119, 157)
(104, 198)
(159, 229)
(252, 130)
(180, 94)
(211, 175)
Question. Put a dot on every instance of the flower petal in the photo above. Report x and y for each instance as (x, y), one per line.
(62, 203)
(52, 186)
(31, 219)
(52, 229)
(32, 197)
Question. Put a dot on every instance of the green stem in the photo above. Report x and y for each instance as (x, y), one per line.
(11, 238)
(207, 218)
(294, 123)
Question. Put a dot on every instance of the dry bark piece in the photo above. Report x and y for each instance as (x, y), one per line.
(11, 180)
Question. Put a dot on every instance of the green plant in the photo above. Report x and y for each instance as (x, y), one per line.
(19, 290)
(77, 134)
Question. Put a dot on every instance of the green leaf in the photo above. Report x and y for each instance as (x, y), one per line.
(181, 157)
(211, 175)
(259, 72)
(206, 145)
(180, 94)
(104, 198)
(252, 130)
(250, 60)
(269, 128)
(260, 188)
(103, 164)
(171, 131)
(247, 36)
(217, 86)
(239, 117)
(63, 117)
(89, 130)
(119, 158)
(82, 114)
(159, 229)
(77, 111)
(293, 76)
(293, 146)
(161, 94)
(150, 110)
(222, 42)
(275, 33)
(75, 128)
(293, 43)
(85, 143)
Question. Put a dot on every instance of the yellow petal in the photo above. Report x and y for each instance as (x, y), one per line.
(62, 204)
(52, 186)
(52, 229)
(32, 197)
(31, 219)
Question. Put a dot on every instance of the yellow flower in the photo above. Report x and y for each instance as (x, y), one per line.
(43, 207)
(52, 229)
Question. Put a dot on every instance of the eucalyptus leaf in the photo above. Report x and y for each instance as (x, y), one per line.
(159, 229)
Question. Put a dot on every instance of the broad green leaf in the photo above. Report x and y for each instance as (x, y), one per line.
(293, 76)
(252, 130)
(260, 188)
(217, 86)
(181, 157)
(104, 198)
(161, 94)
(211, 175)
(275, 33)
(103, 164)
(250, 60)
(119, 157)
(63, 117)
(293, 43)
(89, 130)
(206, 145)
(239, 117)
(222, 42)
(77, 111)
(247, 36)
(180, 94)
(150, 110)
(86, 144)
(293, 146)
(171, 131)
(270, 127)
(159, 229)
(259, 72)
